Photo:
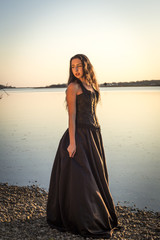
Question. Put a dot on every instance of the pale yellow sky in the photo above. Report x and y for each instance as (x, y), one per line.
(38, 38)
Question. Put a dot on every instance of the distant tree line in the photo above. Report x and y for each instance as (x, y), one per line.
(132, 84)
(63, 85)
(5, 86)
(117, 84)
(105, 84)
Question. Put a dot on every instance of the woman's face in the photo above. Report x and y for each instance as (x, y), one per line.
(77, 68)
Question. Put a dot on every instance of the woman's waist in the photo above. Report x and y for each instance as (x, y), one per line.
(92, 125)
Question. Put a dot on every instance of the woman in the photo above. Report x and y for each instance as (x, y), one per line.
(79, 198)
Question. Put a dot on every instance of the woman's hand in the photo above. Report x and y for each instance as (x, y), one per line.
(71, 150)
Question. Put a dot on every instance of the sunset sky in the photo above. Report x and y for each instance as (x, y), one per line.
(38, 38)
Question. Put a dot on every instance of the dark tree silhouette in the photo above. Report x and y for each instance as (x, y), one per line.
(3, 91)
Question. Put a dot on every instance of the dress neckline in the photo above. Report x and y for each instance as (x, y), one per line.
(86, 88)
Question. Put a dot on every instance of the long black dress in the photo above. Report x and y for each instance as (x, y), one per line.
(79, 198)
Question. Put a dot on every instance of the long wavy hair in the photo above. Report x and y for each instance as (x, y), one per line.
(88, 71)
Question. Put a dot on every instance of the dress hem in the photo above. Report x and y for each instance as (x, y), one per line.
(106, 234)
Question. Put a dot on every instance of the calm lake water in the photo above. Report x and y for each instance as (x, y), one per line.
(32, 122)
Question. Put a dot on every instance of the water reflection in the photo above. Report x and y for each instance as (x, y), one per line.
(33, 121)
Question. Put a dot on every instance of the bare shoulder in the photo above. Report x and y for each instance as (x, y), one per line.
(72, 88)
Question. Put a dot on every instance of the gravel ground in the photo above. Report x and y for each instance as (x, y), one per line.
(23, 216)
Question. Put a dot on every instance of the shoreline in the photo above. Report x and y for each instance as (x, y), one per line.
(138, 83)
(23, 216)
(64, 87)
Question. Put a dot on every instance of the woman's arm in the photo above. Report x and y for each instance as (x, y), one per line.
(71, 102)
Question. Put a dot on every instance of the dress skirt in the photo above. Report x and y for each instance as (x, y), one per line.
(79, 199)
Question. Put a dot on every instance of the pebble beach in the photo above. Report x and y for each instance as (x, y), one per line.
(23, 216)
